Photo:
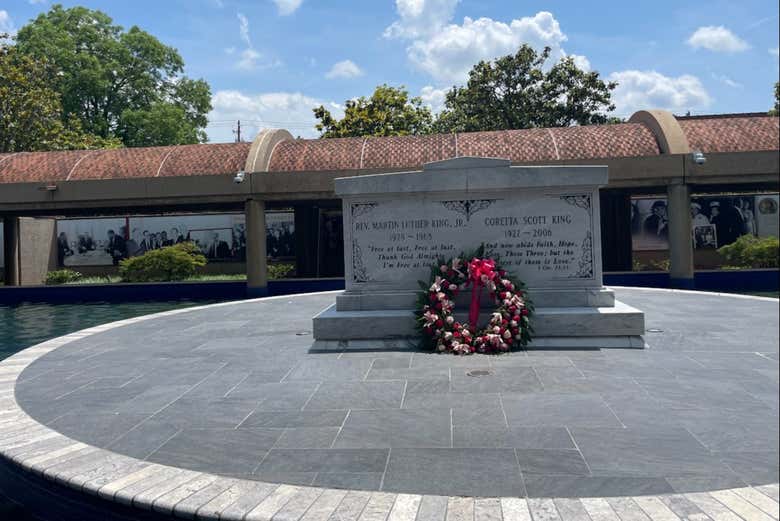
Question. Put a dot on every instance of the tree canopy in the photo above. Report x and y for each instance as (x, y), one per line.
(515, 92)
(388, 112)
(776, 109)
(117, 83)
(31, 115)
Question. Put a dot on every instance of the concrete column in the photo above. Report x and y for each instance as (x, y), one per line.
(11, 250)
(680, 242)
(256, 253)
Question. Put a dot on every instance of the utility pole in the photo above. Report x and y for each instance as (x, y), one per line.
(237, 132)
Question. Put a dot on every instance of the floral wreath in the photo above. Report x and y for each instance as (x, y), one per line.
(509, 326)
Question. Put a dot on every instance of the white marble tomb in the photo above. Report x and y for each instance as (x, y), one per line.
(541, 222)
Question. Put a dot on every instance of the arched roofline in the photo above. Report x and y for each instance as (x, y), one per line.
(263, 147)
(668, 133)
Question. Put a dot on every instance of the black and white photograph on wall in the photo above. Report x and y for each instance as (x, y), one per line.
(221, 237)
(705, 237)
(716, 220)
(766, 213)
(91, 242)
(649, 224)
(280, 240)
(330, 244)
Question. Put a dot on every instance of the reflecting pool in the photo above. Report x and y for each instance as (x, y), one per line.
(24, 325)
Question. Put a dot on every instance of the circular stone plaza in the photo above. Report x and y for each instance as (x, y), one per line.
(234, 415)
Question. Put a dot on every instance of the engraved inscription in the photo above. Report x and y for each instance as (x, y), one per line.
(540, 238)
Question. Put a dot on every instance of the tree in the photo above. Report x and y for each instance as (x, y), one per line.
(388, 112)
(515, 92)
(117, 82)
(30, 111)
(776, 110)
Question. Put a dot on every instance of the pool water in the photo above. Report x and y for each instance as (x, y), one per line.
(24, 325)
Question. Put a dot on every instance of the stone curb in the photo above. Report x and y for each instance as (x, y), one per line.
(197, 495)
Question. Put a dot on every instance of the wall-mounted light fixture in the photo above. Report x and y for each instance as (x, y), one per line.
(698, 157)
(239, 178)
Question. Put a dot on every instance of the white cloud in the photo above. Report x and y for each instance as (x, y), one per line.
(6, 23)
(344, 69)
(775, 52)
(727, 81)
(286, 7)
(420, 18)
(288, 110)
(717, 39)
(248, 60)
(652, 90)
(447, 51)
(581, 61)
(33, 2)
(433, 97)
(243, 29)
(230, 50)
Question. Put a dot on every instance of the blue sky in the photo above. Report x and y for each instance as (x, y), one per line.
(270, 61)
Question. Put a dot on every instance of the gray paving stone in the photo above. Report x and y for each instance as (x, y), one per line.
(96, 429)
(349, 480)
(472, 472)
(654, 452)
(188, 413)
(216, 450)
(639, 405)
(324, 460)
(339, 370)
(571, 509)
(144, 438)
(283, 419)
(551, 462)
(307, 438)
(500, 380)
(584, 486)
(357, 395)
(396, 428)
(558, 410)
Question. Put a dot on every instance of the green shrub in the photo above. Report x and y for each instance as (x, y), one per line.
(752, 252)
(177, 262)
(62, 277)
(279, 271)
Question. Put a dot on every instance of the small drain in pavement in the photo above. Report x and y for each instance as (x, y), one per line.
(655, 330)
(301, 333)
(478, 372)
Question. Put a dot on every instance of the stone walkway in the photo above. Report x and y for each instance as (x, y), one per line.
(152, 408)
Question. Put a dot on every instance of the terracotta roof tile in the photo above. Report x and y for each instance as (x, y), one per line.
(36, 167)
(733, 134)
(317, 154)
(227, 158)
(604, 141)
(124, 163)
(520, 146)
(407, 151)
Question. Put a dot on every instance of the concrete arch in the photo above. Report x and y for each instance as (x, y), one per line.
(662, 123)
(262, 149)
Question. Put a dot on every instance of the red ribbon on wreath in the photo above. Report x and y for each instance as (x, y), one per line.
(480, 270)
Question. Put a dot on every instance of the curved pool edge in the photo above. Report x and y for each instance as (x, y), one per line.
(154, 488)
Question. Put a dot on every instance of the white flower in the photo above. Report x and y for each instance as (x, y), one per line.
(496, 329)
(453, 287)
(513, 323)
(507, 334)
(441, 347)
(441, 296)
(447, 335)
(496, 317)
(518, 337)
(450, 319)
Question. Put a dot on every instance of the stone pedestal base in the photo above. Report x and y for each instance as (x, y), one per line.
(618, 326)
